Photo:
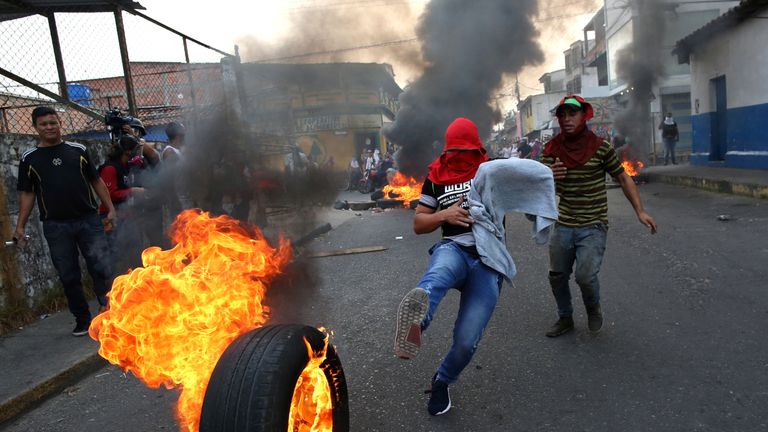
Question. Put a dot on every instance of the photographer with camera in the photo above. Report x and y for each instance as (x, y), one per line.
(146, 213)
(116, 174)
(60, 176)
(120, 125)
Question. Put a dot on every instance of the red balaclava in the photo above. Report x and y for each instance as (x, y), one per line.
(576, 148)
(462, 155)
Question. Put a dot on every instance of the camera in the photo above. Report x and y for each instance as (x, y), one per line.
(115, 120)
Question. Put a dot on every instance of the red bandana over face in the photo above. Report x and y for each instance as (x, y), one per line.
(576, 148)
(462, 155)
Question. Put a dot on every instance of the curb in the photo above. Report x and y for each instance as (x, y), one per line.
(713, 185)
(16, 406)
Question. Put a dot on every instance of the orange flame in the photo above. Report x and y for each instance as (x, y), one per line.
(407, 188)
(169, 322)
(633, 168)
(311, 406)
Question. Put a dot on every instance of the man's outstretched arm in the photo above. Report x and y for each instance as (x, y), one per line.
(630, 191)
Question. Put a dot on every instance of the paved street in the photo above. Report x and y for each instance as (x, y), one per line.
(683, 347)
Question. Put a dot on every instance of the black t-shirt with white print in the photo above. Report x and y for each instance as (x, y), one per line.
(60, 177)
(439, 197)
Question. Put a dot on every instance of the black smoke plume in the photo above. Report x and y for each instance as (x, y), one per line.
(467, 48)
(641, 66)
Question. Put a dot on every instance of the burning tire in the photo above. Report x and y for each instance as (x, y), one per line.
(254, 385)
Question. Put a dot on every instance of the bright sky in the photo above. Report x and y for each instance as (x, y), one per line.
(262, 29)
(272, 22)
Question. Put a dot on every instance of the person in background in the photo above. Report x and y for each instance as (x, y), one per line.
(176, 133)
(144, 173)
(536, 150)
(354, 173)
(178, 196)
(60, 176)
(124, 241)
(670, 136)
(524, 150)
(579, 161)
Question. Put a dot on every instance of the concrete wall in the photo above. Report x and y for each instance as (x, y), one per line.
(739, 56)
(686, 18)
(539, 111)
(26, 276)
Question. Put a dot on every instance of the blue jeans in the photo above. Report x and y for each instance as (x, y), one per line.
(64, 239)
(585, 246)
(450, 266)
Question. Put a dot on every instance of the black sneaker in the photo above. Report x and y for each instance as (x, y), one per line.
(439, 399)
(561, 327)
(413, 308)
(81, 329)
(594, 318)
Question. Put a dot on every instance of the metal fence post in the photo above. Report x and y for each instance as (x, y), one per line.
(126, 61)
(189, 74)
(63, 90)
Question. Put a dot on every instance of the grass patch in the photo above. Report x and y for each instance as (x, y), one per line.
(18, 314)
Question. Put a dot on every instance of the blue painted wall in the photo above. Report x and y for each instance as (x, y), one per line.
(747, 132)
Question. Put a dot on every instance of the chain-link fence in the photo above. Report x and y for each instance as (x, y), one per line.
(86, 63)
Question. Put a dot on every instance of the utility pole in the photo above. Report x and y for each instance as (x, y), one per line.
(517, 88)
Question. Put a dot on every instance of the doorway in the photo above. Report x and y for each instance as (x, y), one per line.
(718, 145)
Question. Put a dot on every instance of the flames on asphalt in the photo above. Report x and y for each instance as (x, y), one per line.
(170, 320)
(403, 187)
(632, 167)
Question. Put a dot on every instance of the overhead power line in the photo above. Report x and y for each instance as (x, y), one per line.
(388, 43)
(340, 50)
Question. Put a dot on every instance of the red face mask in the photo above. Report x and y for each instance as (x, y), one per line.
(462, 155)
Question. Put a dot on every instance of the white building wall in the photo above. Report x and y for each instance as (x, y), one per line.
(619, 32)
(739, 54)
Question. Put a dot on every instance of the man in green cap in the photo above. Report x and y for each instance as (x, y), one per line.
(579, 160)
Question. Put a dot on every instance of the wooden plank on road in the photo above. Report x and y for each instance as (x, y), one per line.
(348, 251)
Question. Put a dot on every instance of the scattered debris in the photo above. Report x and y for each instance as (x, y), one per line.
(359, 206)
(399, 238)
(341, 205)
(348, 251)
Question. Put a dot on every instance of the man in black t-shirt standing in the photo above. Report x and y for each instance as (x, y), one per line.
(62, 179)
(454, 263)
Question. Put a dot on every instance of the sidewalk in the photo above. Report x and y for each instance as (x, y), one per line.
(42, 359)
(751, 183)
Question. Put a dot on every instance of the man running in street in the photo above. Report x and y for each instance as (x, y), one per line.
(579, 160)
(454, 263)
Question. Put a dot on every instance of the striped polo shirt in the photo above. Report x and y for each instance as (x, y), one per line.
(583, 200)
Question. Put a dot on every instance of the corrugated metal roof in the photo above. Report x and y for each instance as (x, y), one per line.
(12, 9)
(733, 17)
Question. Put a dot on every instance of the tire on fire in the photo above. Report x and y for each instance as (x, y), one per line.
(253, 382)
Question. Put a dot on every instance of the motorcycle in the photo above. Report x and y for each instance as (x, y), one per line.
(368, 181)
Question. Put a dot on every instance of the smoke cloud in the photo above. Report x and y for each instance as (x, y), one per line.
(640, 66)
(327, 30)
(468, 47)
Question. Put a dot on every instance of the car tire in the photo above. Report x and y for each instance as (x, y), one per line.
(252, 385)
